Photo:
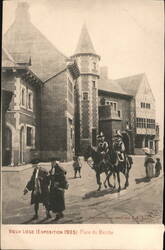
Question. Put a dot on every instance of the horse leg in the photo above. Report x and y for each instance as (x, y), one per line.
(105, 180)
(98, 181)
(127, 178)
(114, 177)
(118, 178)
(108, 179)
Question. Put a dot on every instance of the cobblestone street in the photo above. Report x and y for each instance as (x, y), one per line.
(140, 203)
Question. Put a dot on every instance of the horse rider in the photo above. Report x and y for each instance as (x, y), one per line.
(119, 147)
(102, 149)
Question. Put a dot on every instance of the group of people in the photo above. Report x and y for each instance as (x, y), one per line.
(48, 188)
(117, 145)
(152, 169)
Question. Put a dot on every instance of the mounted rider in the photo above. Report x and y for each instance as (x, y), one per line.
(119, 147)
(102, 149)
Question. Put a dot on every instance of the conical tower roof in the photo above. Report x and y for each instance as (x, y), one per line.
(23, 41)
(85, 45)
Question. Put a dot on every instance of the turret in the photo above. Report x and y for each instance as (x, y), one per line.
(87, 91)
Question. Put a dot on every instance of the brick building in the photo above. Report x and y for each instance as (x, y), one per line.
(59, 104)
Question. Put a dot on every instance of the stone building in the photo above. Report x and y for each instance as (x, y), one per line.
(59, 104)
(22, 129)
(40, 120)
(128, 104)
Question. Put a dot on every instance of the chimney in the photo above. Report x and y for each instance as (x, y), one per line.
(104, 72)
(22, 12)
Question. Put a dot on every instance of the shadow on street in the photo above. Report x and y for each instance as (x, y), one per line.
(140, 180)
(100, 193)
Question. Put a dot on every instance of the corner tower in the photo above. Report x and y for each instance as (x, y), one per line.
(86, 92)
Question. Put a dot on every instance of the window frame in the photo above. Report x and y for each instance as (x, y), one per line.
(32, 136)
(30, 92)
(23, 105)
(85, 92)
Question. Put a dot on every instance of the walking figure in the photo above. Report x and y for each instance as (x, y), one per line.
(38, 185)
(148, 164)
(158, 167)
(77, 166)
(58, 184)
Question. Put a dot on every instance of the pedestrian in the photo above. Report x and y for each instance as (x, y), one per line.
(77, 166)
(149, 164)
(38, 185)
(158, 167)
(58, 184)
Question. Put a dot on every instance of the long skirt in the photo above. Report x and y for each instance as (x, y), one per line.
(56, 201)
(150, 170)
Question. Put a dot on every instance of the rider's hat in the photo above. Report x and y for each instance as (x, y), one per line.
(101, 135)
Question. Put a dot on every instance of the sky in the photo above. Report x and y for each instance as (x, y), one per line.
(127, 34)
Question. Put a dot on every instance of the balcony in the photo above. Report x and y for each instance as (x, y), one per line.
(106, 113)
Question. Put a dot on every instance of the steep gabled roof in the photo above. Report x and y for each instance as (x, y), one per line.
(130, 84)
(25, 42)
(7, 60)
(111, 86)
(85, 43)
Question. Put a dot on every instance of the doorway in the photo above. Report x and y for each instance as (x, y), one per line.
(22, 143)
(8, 147)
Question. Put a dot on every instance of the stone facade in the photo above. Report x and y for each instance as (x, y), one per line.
(68, 101)
(20, 118)
(57, 112)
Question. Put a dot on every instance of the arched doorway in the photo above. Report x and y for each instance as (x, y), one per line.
(126, 141)
(8, 147)
(22, 143)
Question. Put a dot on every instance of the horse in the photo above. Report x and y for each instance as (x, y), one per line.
(105, 168)
(112, 167)
(120, 167)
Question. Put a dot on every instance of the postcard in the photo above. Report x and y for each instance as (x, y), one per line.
(82, 124)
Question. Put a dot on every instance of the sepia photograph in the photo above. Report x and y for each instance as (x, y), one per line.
(82, 112)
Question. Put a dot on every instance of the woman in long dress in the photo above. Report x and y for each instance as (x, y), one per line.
(149, 164)
(58, 184)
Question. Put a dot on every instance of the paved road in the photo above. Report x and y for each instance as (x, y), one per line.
(140, 203)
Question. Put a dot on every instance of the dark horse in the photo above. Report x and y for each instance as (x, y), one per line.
(120, 167)
(106, 168)
(111, 167)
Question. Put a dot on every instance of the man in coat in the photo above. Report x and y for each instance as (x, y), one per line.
(119, 147)
(38, 185)
(58, 184)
